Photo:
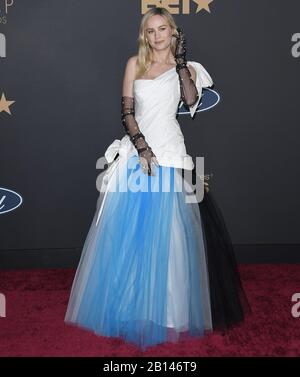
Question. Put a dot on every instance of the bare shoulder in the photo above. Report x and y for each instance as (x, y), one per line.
(133, 59)
(129, 76)
(131, 66)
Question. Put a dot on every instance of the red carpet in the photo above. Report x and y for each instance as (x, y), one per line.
(36, 301)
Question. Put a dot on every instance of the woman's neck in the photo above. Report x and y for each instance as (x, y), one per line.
(163, 57)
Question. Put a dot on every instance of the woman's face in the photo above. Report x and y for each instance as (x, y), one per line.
(158, 32)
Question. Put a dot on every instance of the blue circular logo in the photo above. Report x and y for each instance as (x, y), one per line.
(9, 200)
(210, 98)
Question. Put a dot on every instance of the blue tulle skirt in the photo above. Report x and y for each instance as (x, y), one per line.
(143, 272)
(156, 265)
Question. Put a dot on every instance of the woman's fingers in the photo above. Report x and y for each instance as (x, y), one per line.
(152, 165)
(180, 31)
(148, 167)
(178, 34)
(155, 161)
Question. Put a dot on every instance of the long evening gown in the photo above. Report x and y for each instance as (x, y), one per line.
(154, 266)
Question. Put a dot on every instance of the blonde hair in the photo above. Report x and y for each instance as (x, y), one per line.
(144, 49)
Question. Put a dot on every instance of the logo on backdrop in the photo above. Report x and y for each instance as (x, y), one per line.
(296, 47)
(296, 307)
(4, 104)
(2, 305)
(9, 200)
(178, 6)
(210, 98)
(5, 6)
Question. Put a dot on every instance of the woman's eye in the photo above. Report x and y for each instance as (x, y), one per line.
(151, 31)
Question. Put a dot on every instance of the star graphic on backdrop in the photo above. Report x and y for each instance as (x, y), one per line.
(203, 4)
(4, 104)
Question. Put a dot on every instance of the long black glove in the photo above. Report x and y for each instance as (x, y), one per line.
(188, 90)
(147, 157)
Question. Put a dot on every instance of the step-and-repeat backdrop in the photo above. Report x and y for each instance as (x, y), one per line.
(61, 72)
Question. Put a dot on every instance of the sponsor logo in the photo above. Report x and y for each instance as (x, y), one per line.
(210, 98)
(9, 200)
(178, 6)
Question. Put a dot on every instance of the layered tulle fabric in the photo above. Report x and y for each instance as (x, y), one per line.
(229, 303)
(143, 271)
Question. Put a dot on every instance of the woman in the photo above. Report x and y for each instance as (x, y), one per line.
(156, 267)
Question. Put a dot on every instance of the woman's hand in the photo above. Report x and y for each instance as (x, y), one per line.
(148, 161)
(180, 51)
(147, 157)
